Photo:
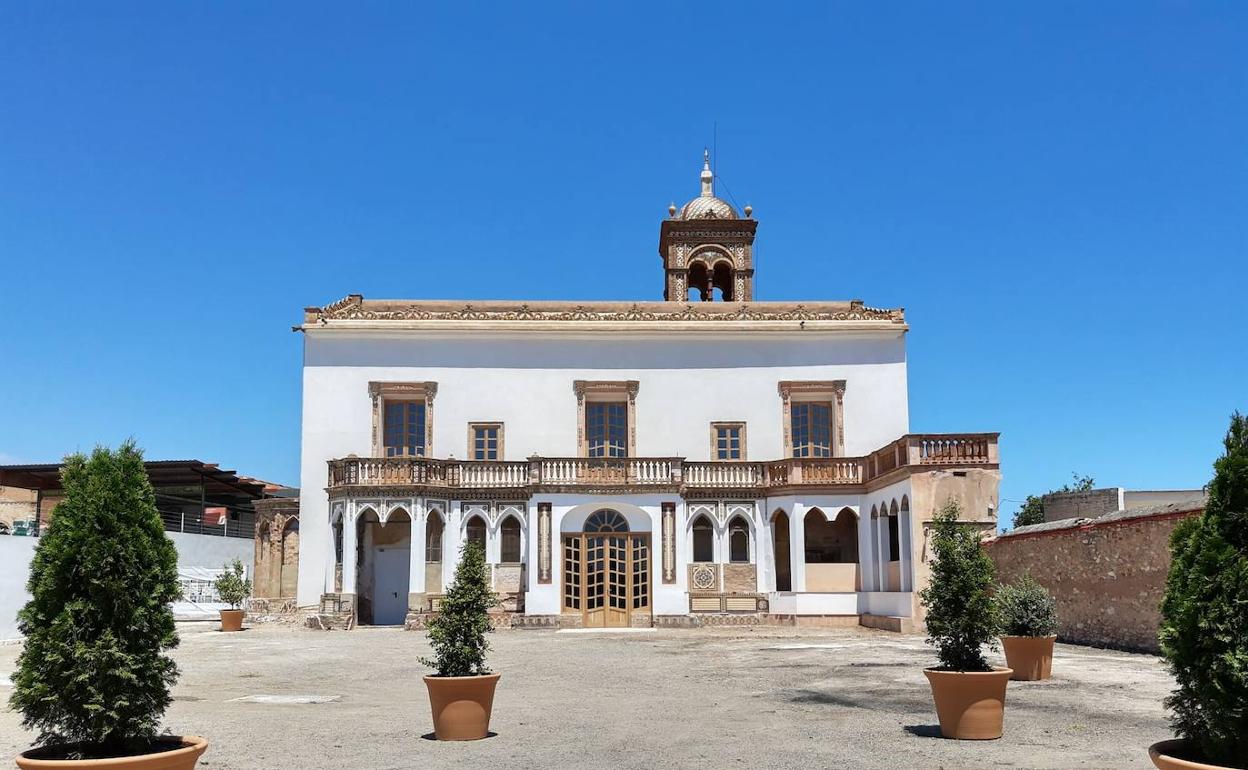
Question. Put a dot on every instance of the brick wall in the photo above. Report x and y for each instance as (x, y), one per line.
(1108, 574)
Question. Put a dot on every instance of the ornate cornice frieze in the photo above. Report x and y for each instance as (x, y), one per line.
(355, 308)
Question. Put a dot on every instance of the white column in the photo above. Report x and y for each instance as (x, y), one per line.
(884, 550)
(416, 569)
(905, 537)
(797, 547)
(451, 541)
(866, 550)
(348, 550)
(331, 553)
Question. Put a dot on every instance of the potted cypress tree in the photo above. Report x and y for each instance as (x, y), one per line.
(962, 618)
(1028, 628)
(461, 692)
(93, 676)
(1204, 625)
(233, 589)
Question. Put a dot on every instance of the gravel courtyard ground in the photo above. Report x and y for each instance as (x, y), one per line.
(748, 698)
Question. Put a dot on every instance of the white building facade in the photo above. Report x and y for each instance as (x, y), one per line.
(706, 458)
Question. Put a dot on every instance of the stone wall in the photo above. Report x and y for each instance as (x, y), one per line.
(1107, 574)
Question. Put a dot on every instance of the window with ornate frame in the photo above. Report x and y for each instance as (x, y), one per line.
(810, 426)
(434, 528)
(485, 440)
(606, 418)
(509, 541)
(813, 417)
(727, 441)
(703, 533)
(402, 418)
(738, 541)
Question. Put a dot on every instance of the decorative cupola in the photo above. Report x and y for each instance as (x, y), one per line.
(707, 248)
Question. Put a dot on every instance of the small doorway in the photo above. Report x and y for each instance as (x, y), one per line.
(780, 541)
(384, 566)
(606, 572)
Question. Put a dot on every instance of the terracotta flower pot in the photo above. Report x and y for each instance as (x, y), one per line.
(231, 620)
(183, 758)
(1031, 657)
(461, 705)
(1165, 755)
(969, 704)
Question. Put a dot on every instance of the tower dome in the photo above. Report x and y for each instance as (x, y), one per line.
(706, 205)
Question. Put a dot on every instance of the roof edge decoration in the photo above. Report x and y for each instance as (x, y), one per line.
(354, 308)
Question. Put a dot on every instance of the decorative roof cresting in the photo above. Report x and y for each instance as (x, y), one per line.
(354, 308)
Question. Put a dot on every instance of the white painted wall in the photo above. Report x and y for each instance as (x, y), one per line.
(16, 553)
(525, 381)
(15, 556)
(211, 552)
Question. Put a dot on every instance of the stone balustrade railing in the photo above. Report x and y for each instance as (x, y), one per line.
(910, 451)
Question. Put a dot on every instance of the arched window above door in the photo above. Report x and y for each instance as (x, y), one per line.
(606, 520)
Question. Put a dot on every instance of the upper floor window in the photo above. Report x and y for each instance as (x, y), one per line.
(606, 417)
(402, 418)
(485, 440)
(728, 440)
(812, 429)
(606, 428)
(814, 417)
(404, 428)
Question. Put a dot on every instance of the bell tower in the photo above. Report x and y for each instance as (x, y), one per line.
(707, 249)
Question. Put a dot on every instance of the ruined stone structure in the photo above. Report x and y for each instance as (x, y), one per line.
(1107, 573)
(276, 569)
(704, 459)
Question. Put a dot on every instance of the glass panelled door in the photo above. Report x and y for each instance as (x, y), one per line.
(606, 573)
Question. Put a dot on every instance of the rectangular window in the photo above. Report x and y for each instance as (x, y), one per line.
(404, 429)
(894, 540)
(485, 440)
(606, 428)
(812, 429)
(728, 440)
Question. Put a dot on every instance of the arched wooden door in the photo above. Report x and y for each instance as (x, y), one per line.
(606, 572)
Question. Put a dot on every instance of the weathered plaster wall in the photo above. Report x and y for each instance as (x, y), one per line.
(1108, 577)
(976, 490)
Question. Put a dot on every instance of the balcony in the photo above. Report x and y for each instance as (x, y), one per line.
(664, 474)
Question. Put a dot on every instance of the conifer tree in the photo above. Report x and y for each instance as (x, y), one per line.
(93, 670)
(962, 614)
(457, 633)
(1204, 629)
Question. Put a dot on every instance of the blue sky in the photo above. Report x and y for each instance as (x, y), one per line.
(1056, 192)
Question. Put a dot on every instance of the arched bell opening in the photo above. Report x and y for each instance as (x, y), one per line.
(699, 283)
(722, 282)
